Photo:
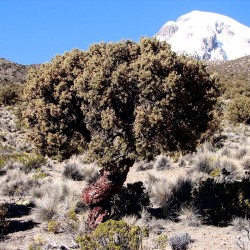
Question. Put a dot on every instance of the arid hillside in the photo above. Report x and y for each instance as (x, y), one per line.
(232, 70)
(12, 73)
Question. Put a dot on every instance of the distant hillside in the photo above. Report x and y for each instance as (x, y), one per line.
(234, 75)
(11, 72)
(238, 69)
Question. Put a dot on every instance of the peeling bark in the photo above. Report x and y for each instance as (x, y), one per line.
(99, 194)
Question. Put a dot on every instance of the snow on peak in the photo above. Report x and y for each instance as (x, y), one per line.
(207, 35)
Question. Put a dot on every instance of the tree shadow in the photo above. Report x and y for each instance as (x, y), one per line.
(18, 210)
(17, 226)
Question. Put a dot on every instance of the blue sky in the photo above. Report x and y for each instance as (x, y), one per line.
(34, 31)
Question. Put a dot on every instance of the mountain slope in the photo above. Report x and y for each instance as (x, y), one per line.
(12, 72)
(234, 76)
(233, 70)
(208, 36)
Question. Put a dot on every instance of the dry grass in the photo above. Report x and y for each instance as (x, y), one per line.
(180, 241)
(55, 200)
(131, 220)
(240, 224)
(16, 185)
(162, 163)
(189, 216)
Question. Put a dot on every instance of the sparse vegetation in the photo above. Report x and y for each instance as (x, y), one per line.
(54, 201)
(234, 76)
(15, 185)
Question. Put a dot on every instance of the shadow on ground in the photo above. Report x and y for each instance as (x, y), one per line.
(17, 226)
(18, 210)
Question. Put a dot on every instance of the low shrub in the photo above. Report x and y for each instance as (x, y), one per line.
(90, 173)
(143, 166)
(10, 94)
(169, 196)
(32, 162)
(37, 243)
(55, 200)
(239, 110)
(160, 192)
(161, 242)
(203, 163)
(236, 89)
(53, 226)
(240, 153)
(72, 171)
(189, 216)
(246, 163)
(239, 223)
(112, 235)
(162, 163)
(226, 170)
(28, 161)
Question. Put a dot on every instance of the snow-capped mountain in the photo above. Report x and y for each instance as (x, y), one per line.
(208, 36)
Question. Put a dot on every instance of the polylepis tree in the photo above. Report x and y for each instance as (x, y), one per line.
(118, 102)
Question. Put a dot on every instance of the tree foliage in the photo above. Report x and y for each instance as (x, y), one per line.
(120, 102)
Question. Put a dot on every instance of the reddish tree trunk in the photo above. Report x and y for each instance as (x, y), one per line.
(99, 194)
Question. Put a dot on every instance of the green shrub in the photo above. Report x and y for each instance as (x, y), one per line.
(37, 243)
(113, 235)
(239, 110)
(53, 226)
(39, 174)
(161, 241)
(10, 94)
